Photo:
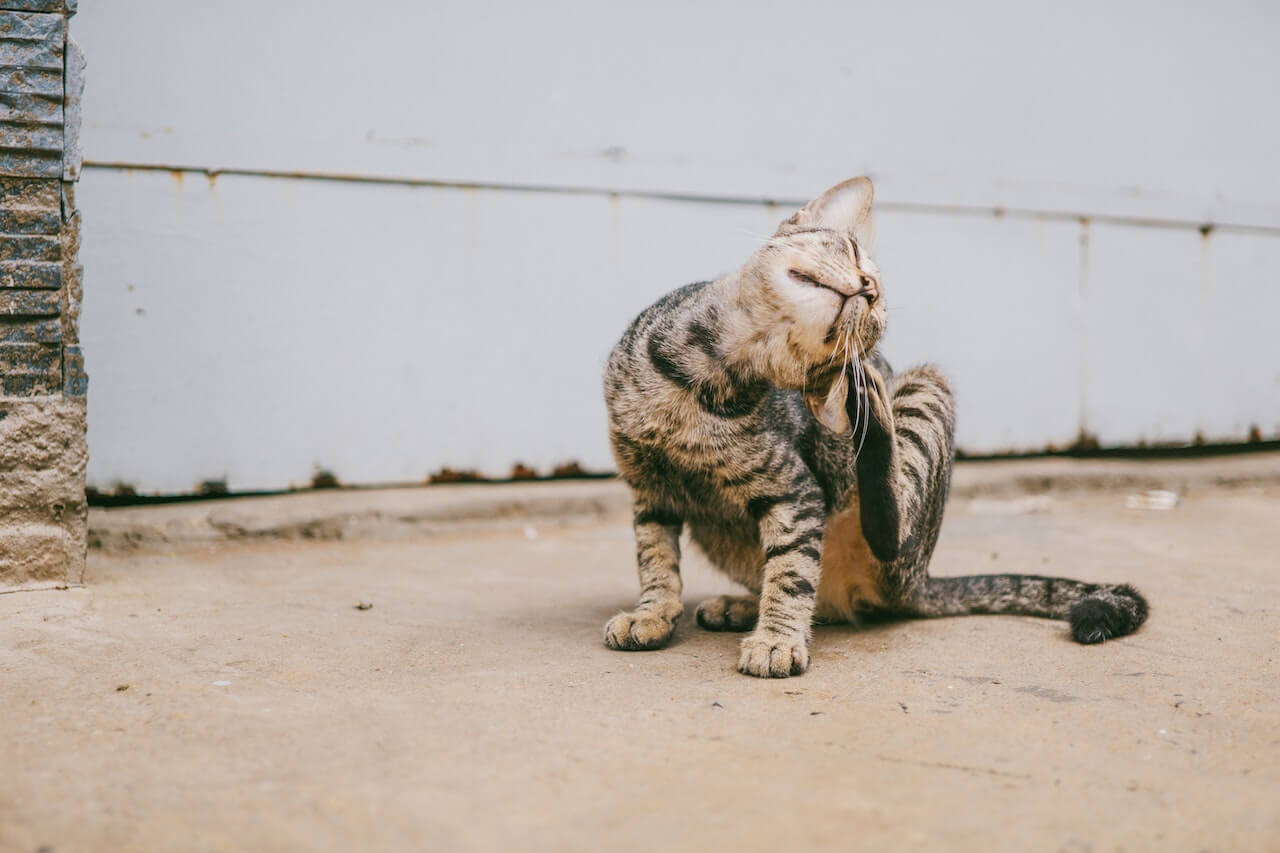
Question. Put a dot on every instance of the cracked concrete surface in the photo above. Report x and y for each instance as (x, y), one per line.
(226, 697)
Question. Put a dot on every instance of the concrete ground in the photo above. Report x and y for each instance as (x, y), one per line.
(229, 695)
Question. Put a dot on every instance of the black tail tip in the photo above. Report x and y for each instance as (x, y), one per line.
(1109, 612)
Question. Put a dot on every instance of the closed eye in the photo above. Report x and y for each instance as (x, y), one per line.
(804, 278)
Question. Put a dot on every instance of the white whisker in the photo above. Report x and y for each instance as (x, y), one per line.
(857, 399)
(865, 390)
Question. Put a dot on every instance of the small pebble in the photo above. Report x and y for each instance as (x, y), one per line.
(364, 605)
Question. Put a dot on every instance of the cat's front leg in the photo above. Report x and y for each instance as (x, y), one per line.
(791, 525)
(653, 621)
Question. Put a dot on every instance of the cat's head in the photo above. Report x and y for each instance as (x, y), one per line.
(814, 296)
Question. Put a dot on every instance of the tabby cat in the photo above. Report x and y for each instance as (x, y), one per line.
(756, 410)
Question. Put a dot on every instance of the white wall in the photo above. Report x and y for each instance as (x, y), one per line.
(427, 224)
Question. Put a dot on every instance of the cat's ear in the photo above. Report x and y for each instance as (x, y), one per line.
(829, 408)
(845, 207)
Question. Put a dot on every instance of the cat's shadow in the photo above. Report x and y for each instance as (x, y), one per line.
(868, 631)
(584, 616)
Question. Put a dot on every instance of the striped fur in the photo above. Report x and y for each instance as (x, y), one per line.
(755, 411)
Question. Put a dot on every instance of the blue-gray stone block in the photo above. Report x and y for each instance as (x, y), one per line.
(76, 381)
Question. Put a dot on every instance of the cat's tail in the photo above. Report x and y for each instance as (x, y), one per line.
(1097, 612)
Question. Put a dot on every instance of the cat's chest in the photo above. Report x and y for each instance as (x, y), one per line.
(850, 576)
(731, 466)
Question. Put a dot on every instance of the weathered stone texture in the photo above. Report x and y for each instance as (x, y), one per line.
(42, 378)
(41, 434)
(71, 272)
(68, 6)
(42, 504)
(38, 555)
(71, 153)
(32, 81)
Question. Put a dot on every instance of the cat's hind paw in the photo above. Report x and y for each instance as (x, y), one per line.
(728, 613)
(638, 631)
(773, 657)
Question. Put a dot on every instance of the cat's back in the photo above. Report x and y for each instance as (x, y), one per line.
(628, 357)
(638, 391)
(660, 434)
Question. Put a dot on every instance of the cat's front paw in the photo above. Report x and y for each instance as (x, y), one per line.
(773, 657)
(728, 613)
(638, 631)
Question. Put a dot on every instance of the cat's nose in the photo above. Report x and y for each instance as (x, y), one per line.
(870, 288)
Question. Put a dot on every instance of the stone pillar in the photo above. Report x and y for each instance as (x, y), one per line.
(42, 378)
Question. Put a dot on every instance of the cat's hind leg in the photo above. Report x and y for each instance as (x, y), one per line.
(729, 612)
(652, 622)
(903, 482)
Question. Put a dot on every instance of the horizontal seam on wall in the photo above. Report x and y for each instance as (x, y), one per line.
(695, 198)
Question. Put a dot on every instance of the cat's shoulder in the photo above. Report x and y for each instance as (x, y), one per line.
(671, 301)
(666, 306)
